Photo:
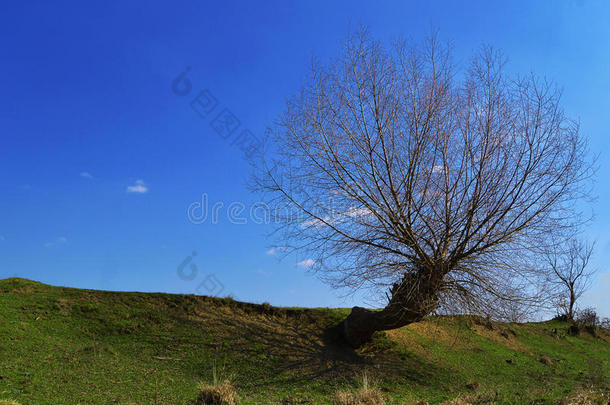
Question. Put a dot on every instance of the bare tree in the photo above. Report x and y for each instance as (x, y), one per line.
(570, 274)
(423, 183)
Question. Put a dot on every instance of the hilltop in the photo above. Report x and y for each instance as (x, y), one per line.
(70, 346)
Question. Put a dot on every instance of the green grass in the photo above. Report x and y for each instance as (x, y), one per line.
(69, 346)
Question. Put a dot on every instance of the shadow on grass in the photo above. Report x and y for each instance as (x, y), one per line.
(296, 346)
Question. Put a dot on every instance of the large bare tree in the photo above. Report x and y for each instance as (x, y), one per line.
(571, 273)
(427, 184)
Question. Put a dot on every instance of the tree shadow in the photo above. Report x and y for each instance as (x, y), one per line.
(293, 346)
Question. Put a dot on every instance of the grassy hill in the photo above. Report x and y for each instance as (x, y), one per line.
(70, 346)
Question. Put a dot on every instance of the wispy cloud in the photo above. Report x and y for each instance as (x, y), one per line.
(356, 212)
(263, 272)
(337, 217)
(139, 187)
(62, 240)
(315, 222)
(306, 263)
(276, 249)
(86, 175)
(1, 238)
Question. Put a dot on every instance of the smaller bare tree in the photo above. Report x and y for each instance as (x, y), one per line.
(571, 273)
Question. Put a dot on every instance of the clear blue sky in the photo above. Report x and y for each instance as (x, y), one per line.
(99, 159)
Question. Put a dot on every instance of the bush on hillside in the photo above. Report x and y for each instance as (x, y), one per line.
(588, 317)
(561, 318)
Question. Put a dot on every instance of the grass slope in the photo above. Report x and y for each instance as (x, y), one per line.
(69, 346)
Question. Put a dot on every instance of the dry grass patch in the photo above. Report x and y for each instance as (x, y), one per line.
(8, 402)
(371, 396)
(366, 395)
(221, 393)
(64, 306)
(429, 329)
(456, 401)
(588, 397)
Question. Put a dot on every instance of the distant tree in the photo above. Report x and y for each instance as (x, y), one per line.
(427, 185)
(571, 273)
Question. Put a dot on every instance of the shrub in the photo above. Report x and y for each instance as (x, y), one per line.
(587, 316)
(561, 318)
(266, 308)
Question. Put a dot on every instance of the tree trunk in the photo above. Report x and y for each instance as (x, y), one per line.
(413, 298)
(571, 309)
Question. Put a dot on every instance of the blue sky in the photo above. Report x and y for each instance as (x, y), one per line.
(100, 159)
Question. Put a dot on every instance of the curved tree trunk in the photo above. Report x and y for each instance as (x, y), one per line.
(413, 298)
(359, 326)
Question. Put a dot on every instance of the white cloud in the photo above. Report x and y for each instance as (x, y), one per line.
(139, 187)
(276, 249)
(306, 263)
(357, 212)
(337, 217)
(438, 169)
(315, 222)
(86, 175)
